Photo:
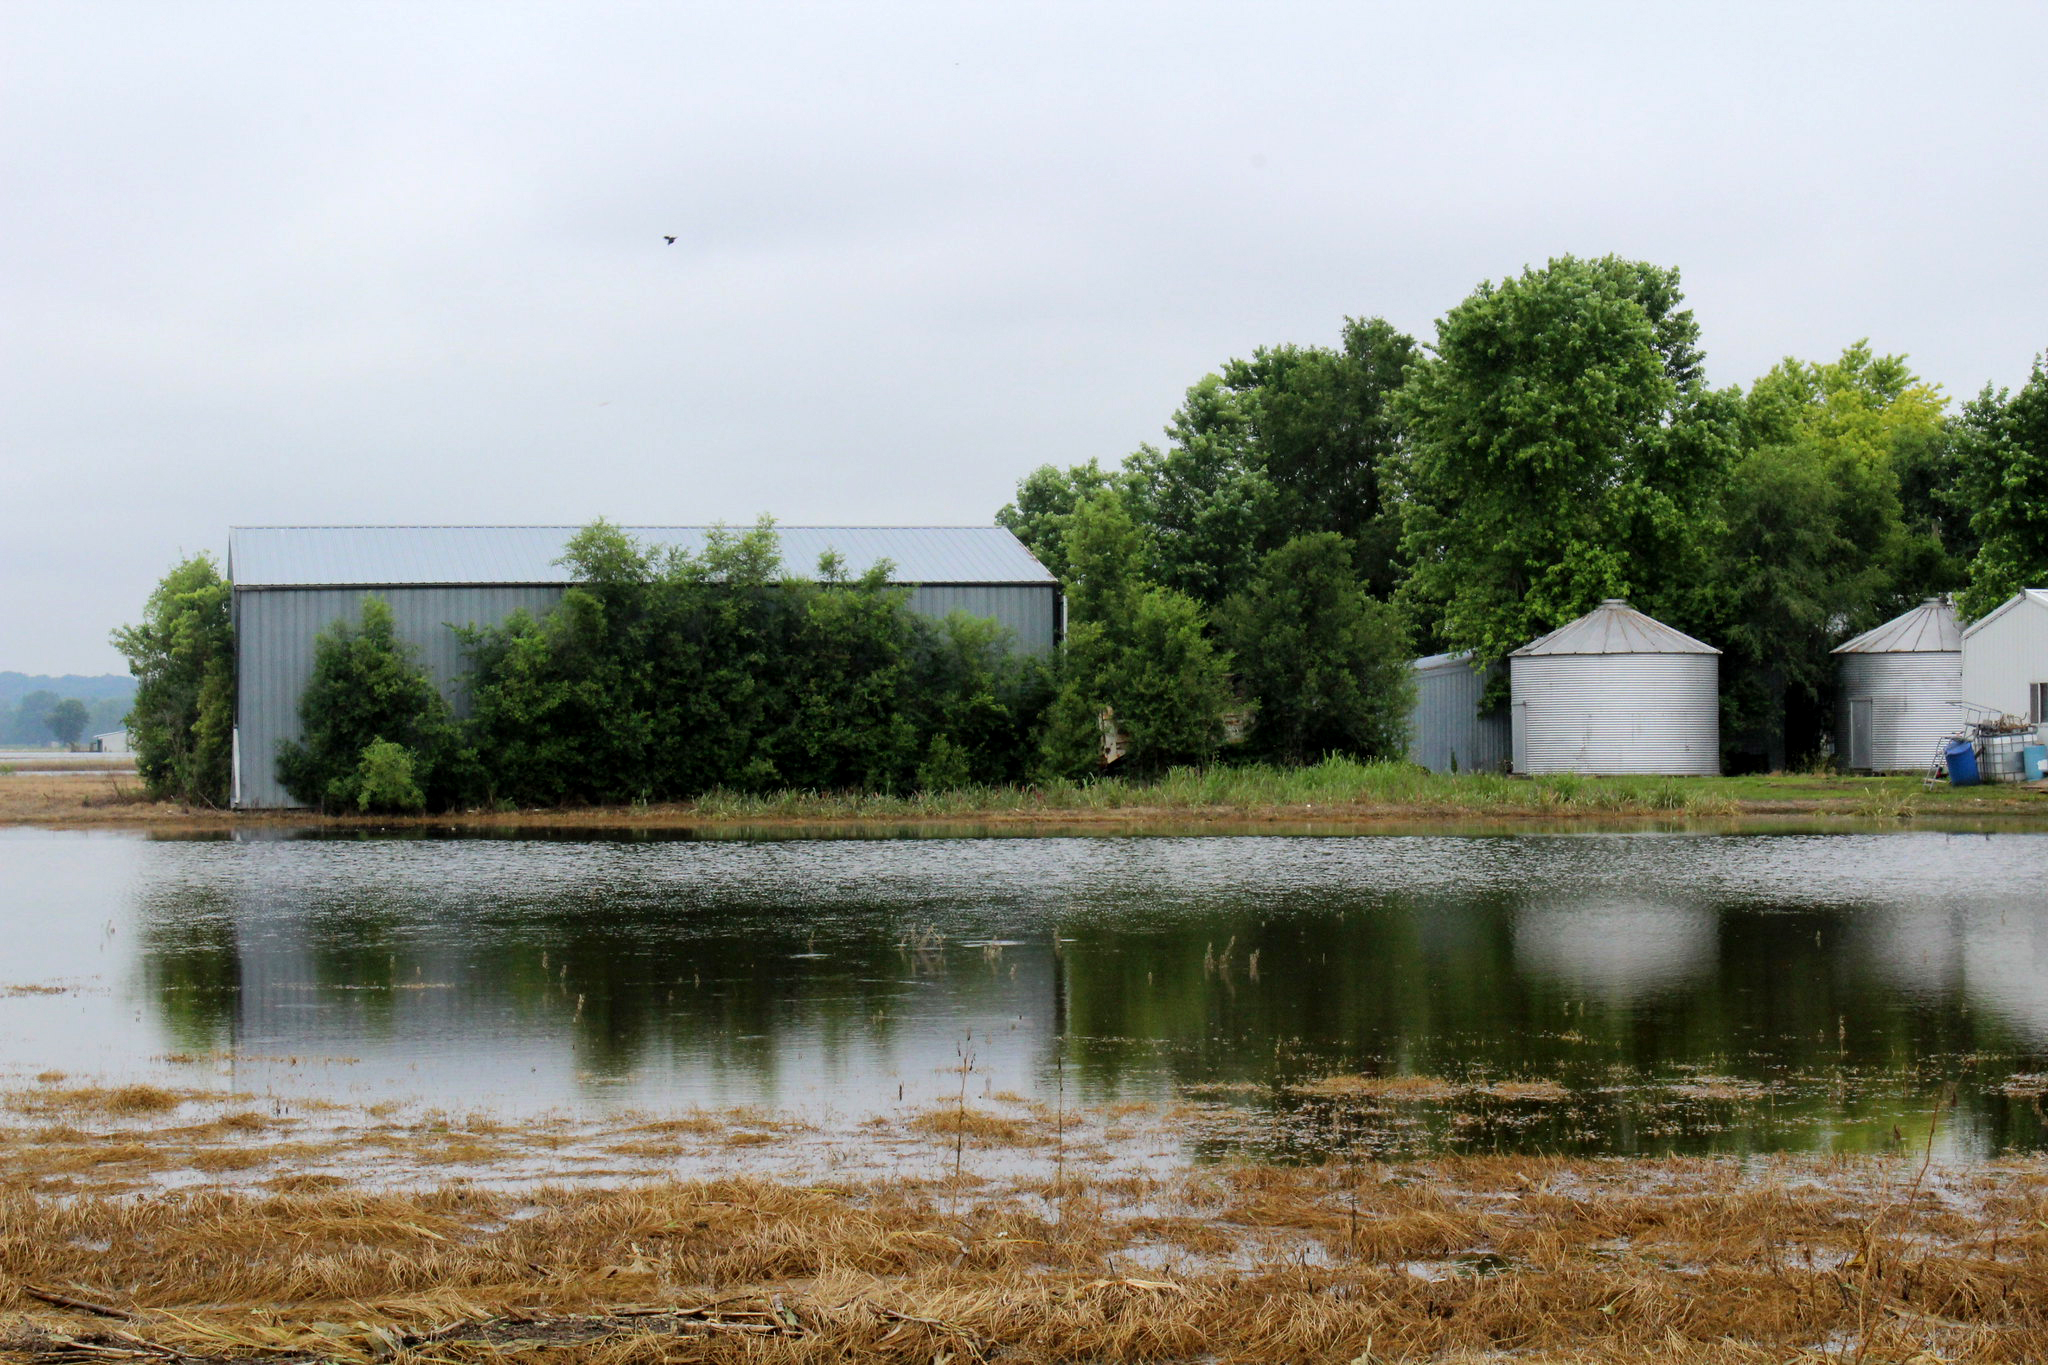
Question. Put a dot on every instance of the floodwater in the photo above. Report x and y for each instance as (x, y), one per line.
(1561, 993)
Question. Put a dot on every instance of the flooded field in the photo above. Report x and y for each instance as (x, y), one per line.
(1578, 994)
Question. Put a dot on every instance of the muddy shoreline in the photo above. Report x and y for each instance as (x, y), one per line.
(115, 802)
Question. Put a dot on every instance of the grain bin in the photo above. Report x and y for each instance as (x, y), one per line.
(1616, 692)
(1450, 728)
(1899, 687)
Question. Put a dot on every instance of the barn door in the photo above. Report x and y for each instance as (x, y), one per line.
(1862, 749)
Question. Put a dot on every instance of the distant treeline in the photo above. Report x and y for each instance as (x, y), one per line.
(1316, 518)
(33, 710)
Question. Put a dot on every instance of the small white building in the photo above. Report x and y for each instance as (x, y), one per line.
(1900, 685)
(1616, 692)
(112, 742)
(2005, 658)
(1449, 728)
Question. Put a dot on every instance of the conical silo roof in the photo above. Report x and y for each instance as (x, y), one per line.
(1930, 628)
(1614, 627)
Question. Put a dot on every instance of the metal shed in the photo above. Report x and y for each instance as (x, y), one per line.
(2005, 659)
(1899, 687)
(1616, 692)
(292, 582)
(1448, 731)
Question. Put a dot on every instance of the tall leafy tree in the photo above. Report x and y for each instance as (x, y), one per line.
(1326, 664)
(1137, 648)
(1815, 545)
(1046, 499)
(1293, 440)
(1563, 448)
(2005, 488)
(182, 654)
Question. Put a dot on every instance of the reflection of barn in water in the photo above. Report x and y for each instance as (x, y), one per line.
(578, 984)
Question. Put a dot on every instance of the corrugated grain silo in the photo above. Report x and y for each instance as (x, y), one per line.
(1616, 692)
(1899, 687)
(1449, 728)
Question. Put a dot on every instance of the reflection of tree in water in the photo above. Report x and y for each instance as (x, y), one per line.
(626, 975)
(192, 965)
(1497, 987)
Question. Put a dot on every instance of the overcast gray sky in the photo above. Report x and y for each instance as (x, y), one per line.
(281, 262)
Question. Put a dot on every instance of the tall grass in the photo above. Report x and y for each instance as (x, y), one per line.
(1337, 786)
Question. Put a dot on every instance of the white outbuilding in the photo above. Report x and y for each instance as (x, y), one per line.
(1450, 727)
(1900, 685)
(1616, 692)
(2005, 658)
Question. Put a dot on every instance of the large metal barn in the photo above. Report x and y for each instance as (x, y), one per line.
(1899, 687)
(1616, 692)
(292, 582)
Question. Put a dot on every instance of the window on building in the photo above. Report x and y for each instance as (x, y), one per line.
(2037, 702)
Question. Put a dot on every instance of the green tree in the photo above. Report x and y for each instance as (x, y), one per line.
(367, 695)
(2005, 486)
(1046, 498)
(1815, 547)
(182, 654)
(1562, 448)
(67, 720)
(665, 675)
(1134, 647)
(1293, 440)
(1326, 664)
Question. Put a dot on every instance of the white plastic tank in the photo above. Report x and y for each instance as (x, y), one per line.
(1616, 692)
(1899, 687)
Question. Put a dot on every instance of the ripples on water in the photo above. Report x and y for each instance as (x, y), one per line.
(1685, 992)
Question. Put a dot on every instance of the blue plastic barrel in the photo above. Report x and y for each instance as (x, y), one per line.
(1962, 763)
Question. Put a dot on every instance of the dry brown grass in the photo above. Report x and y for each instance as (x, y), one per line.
(86, 1100)
(980, 1127)
(1431, 1089)
(296, 1231)
(1703, 1262)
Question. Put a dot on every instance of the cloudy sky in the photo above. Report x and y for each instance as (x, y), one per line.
(283, 263)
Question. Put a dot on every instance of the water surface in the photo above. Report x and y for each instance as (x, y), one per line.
(1583, 993)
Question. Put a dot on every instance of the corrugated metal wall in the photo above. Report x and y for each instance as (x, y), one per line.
(1447, 732)
(1617, 713)
(1030, 611)
(275, 629)
(1912, 706)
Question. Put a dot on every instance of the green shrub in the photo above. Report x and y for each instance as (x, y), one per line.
(383, 780)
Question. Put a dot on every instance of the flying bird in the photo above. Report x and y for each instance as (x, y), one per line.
(666, 238)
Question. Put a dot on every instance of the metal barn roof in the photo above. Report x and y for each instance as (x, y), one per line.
(1614, 627)
(1930, 628)
(395, 556)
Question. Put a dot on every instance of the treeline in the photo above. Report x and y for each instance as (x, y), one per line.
(1556, 445)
